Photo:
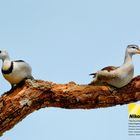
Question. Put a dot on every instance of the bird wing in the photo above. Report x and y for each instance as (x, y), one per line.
(108, 68)
(22, 65)
(19, 61)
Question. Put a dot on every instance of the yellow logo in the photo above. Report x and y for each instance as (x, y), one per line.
(134, 111)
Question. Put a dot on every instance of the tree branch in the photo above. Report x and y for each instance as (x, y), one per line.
(33, 95)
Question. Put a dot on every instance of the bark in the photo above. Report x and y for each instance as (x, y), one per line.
(33, 95)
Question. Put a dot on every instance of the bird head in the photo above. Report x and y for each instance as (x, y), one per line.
(133, 49)
(3, 55)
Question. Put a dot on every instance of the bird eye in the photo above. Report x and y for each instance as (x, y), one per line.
(134, 47)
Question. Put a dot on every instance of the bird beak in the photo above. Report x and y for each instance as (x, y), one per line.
(138, 52)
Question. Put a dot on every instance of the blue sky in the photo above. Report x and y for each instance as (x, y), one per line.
(65, 40)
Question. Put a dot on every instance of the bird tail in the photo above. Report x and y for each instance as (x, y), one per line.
(94, 81)
(30, 77)
(93, 74)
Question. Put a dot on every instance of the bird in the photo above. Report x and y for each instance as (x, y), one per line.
(14, 71)
(117, 76)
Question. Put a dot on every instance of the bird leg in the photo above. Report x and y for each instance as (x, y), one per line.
(8, 92)
(14, 86)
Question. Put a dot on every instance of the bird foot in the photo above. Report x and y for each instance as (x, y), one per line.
(13, 87)
(10, 91)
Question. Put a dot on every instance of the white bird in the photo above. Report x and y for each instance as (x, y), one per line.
(14, 71)
(118, 76)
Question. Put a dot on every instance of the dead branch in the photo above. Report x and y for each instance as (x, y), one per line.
(33, 95)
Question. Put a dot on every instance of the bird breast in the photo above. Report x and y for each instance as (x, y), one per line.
(6, 65)
(21, 70)
(123, 77)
